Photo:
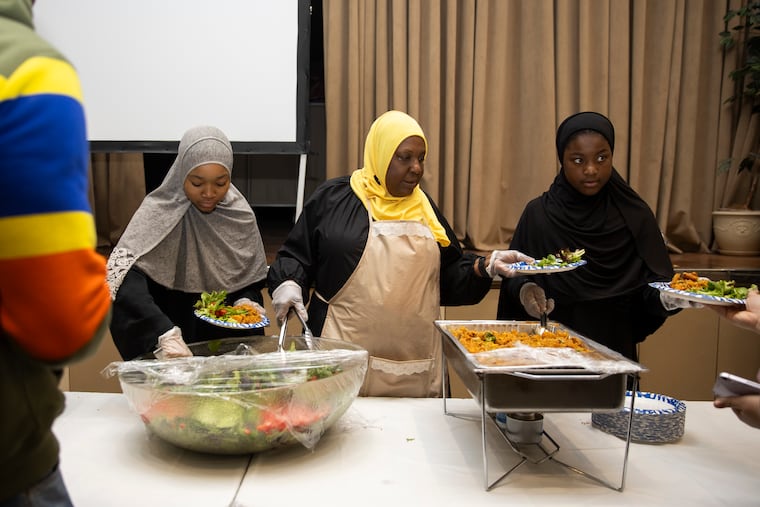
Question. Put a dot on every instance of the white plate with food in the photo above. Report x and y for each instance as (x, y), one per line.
(527, 268)
(231, 324)
(211, 308)
(695, 296)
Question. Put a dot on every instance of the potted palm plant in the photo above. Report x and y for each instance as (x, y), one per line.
(737, 229)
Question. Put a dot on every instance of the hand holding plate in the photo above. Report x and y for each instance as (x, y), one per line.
(502, 262)
(670, 302)
(245, 301)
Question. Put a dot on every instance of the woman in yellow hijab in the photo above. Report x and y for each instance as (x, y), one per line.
(382, 260)
(369, 182)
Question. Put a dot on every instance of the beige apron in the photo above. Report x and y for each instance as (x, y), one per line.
(388, 306)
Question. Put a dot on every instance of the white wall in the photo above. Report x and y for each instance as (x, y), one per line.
(151, 69)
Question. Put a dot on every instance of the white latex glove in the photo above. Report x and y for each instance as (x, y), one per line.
(671, 303)
(171, 344)
(286, 296)
(533, 299)
(254, 304)
(500, 261)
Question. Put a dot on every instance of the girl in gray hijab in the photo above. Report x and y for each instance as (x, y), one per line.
(196, 232)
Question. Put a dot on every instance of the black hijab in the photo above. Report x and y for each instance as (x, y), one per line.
(624, 246)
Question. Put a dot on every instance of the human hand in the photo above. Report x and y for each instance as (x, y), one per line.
(286, 296)
(171, 344)
(746, 408)
(254, 304)
(747, 316)
(533, 299)
(500, 260)
(670, 302)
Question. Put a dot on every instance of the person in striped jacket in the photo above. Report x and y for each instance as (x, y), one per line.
(54, 302)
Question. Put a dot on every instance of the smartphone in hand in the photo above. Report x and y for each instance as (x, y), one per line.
(728, 384)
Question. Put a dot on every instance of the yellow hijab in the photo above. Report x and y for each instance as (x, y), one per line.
(385, 135)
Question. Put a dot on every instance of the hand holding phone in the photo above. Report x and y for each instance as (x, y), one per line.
(728, 384)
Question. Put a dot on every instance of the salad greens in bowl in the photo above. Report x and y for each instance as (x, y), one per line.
(240, 396)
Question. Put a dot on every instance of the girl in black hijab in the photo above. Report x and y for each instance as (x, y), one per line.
(590, 206)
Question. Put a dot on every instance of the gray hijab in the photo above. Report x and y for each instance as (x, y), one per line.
(182, 248)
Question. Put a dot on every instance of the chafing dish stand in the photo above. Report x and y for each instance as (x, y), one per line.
(529, 453)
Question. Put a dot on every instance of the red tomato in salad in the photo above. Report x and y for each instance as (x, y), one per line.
(281, 418)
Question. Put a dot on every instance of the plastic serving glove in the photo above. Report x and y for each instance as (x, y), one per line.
(500, 261)
(671, 303)
(171, 344)
(533, 299)
(286, 296)
(251, 302)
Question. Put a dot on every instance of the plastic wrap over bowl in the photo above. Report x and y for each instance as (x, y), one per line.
(239, 396)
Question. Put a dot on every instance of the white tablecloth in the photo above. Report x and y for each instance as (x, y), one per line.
(108, 459)
(406, 452)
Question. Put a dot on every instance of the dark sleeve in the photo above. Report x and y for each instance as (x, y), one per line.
(509, 306)
(460, 285)
(326, 242)
(653, 314)
(295, 260)
(137, 320)
(252, 292)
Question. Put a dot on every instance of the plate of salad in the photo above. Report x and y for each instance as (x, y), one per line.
(212, 308)
(691, 287)
(564, 260)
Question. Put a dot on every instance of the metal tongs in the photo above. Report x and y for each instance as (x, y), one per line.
(541, 329)
(306, 332)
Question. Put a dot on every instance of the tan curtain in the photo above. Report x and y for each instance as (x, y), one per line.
(118, 188)
(739, 135)
(675, 99)
(489, 81)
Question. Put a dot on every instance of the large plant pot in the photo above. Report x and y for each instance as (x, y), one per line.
(737, 232)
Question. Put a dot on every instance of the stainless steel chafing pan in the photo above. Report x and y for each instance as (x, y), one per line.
(547, 386)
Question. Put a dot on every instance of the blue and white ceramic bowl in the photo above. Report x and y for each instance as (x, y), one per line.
(656, 419)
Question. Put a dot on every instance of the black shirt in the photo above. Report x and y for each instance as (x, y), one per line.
(608, 300)
(326, 243)
(144, 310)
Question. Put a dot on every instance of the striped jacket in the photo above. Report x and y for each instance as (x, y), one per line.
(54, 303)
